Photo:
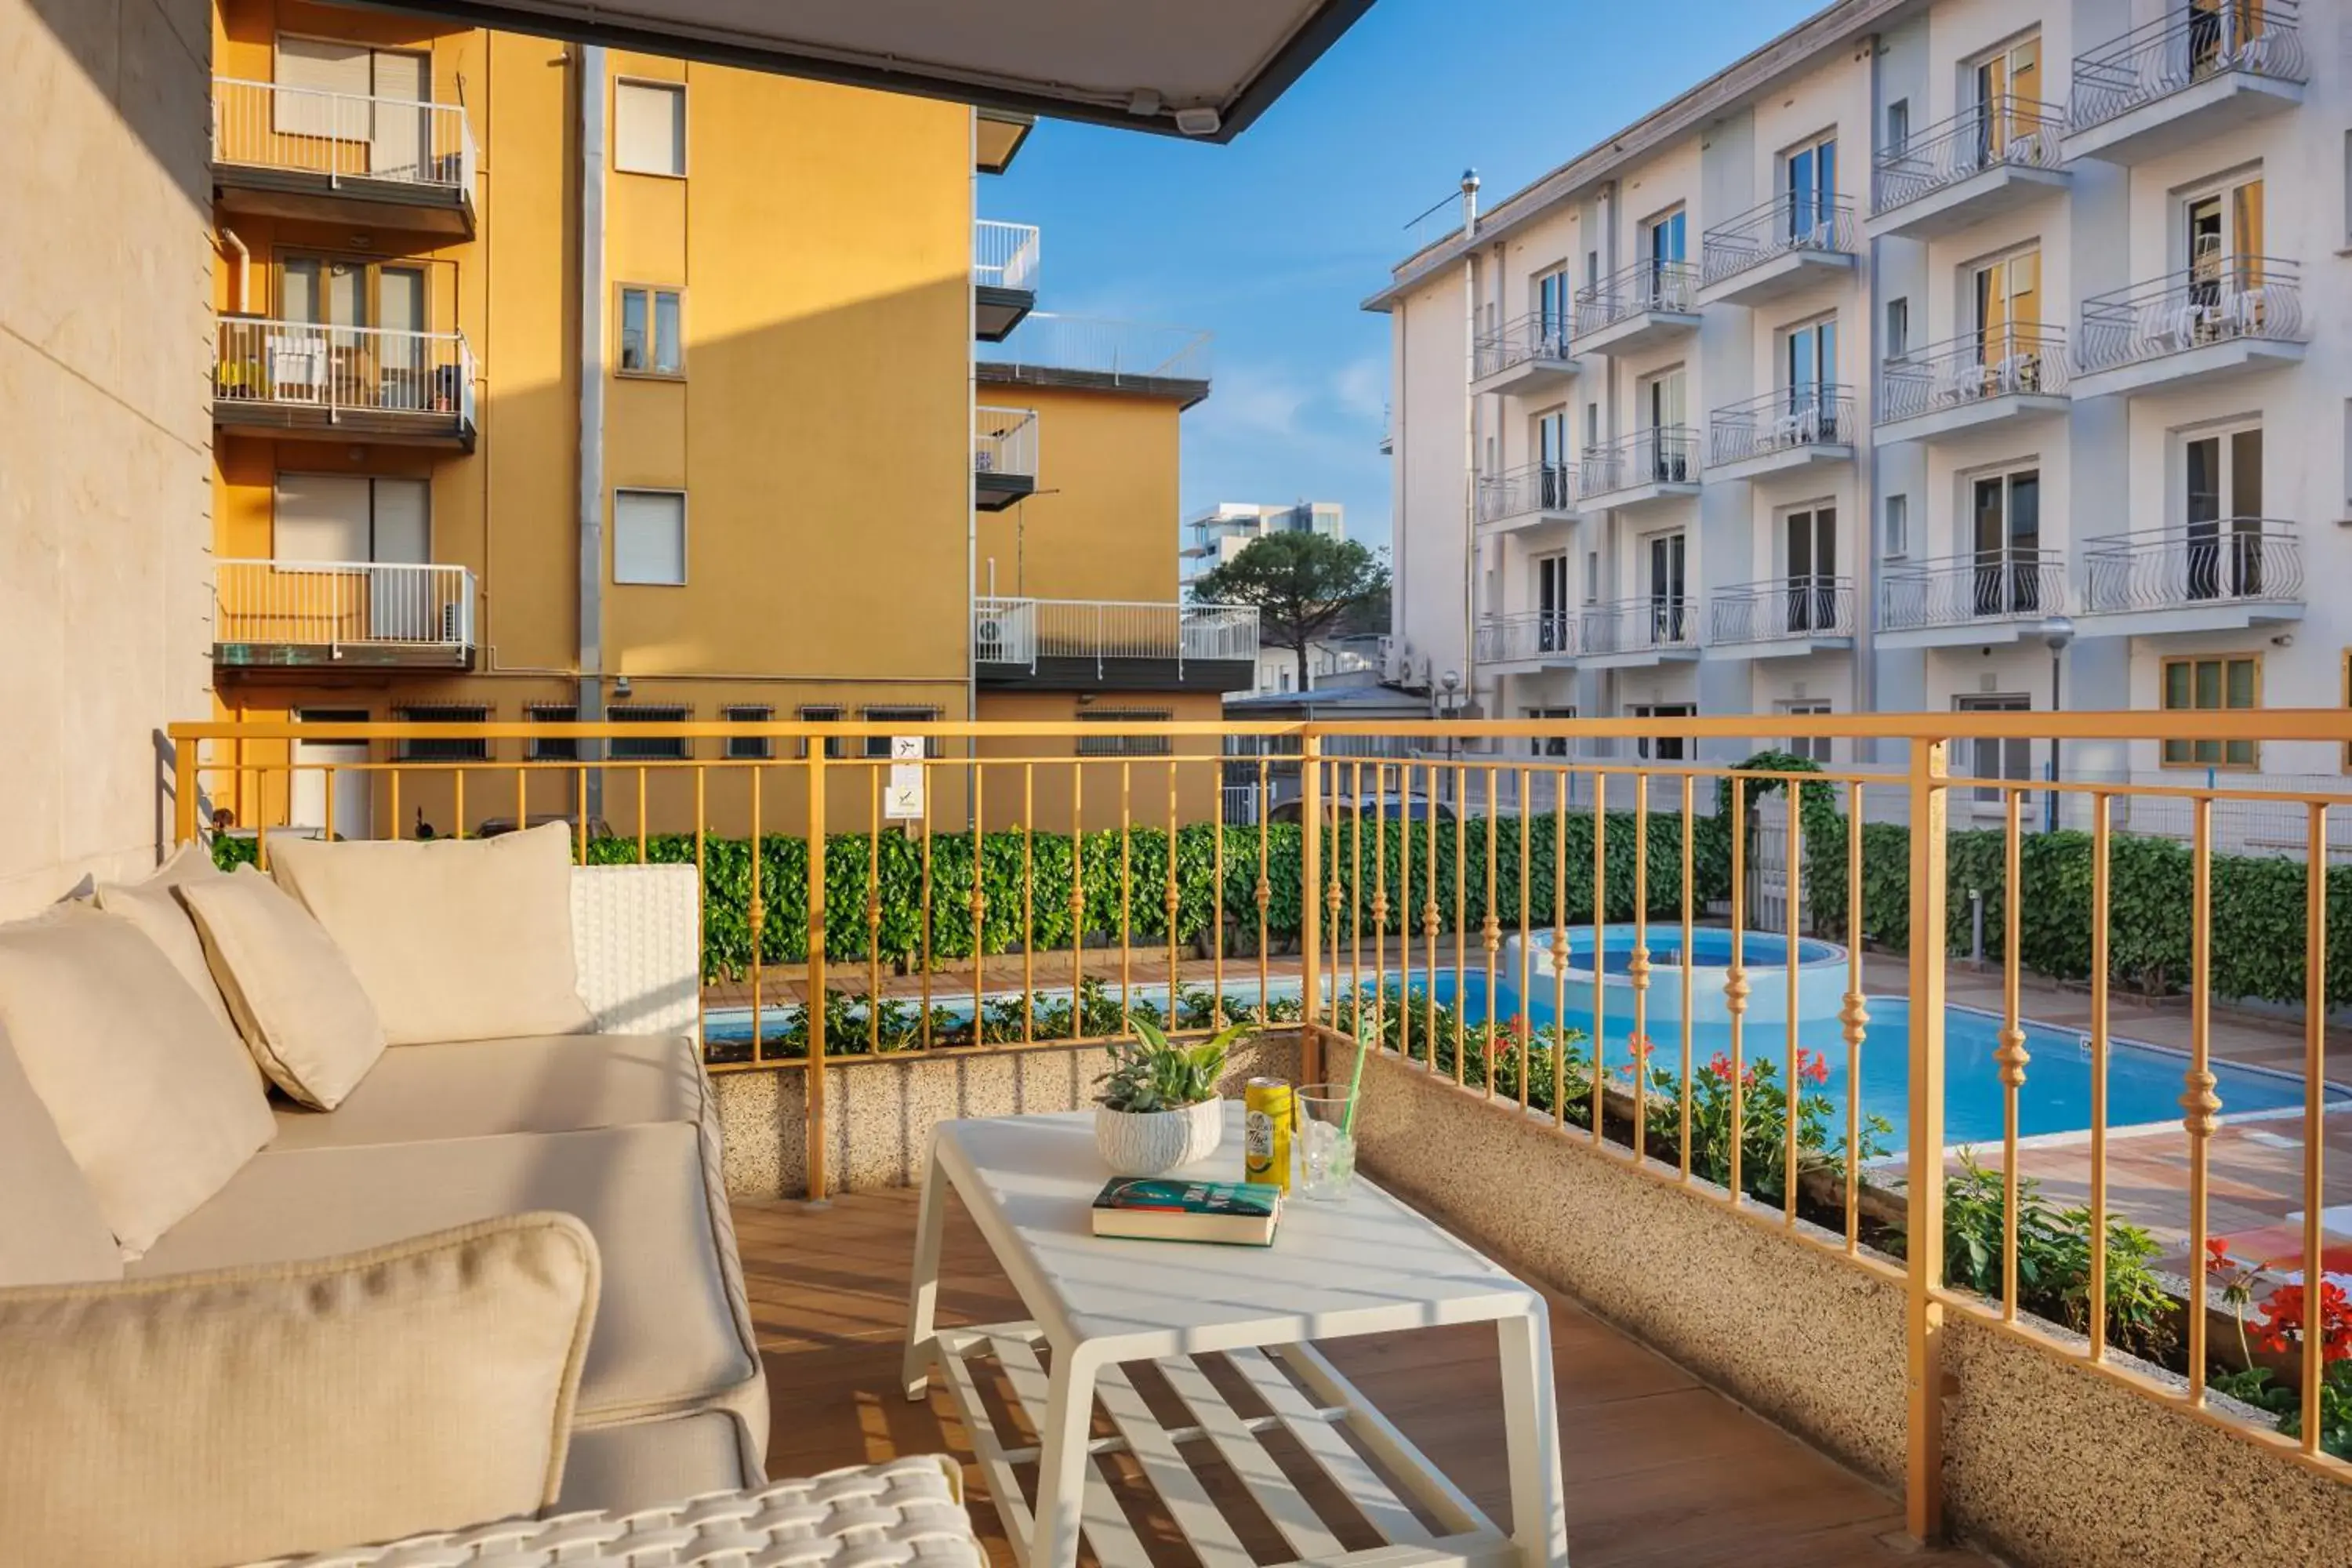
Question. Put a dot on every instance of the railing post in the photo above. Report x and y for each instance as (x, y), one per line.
(813, 1003)
(1310, 912)
(183, 790)
(1922, 1491)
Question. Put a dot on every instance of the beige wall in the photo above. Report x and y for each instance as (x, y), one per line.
(104, 431)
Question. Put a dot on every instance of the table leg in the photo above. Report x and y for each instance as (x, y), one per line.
(1061, 1462)
(1531, 1430)
(923, 1286)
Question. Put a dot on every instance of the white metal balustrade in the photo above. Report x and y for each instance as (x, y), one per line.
(1659, 623)
(2234, 560)
(342, 604)
(1661, 455)
(1529, 490)
(1096, 346)
(1982, 585)
(2222, 300)
(372, 370)
(1669, 288)
(1530, 635)
(1022, 631)
(2021, 132)
(1005, 255)
(304, 130)
(2019, 359)
(1790, 223)
(2183, 48)
(1004, 442)
(1531, 339)
(1817, 414)
(1780, 608)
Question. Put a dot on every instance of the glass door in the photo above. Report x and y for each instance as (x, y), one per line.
(1667, 587)
(1552, 314)
(2224, 239)
(1810, 198)
(2223, 507)
(403, 358)
(1665, 282)
(2008, 85)
(1809, 369)
(1552, 604)
(2008, 298)
(1664, 408)
(1812, 570)
(1552, 455)
(2008, 562)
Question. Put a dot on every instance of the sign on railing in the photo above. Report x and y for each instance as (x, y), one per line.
(272, 125)
(356, 369)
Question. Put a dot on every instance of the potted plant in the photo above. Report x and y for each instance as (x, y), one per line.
(1159, 1107)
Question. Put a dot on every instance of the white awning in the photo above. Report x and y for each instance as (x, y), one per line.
(1197, 67)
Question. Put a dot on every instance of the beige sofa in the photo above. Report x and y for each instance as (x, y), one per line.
(617, 1127)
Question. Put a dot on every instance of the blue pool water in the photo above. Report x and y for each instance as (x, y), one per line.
(1710, 948)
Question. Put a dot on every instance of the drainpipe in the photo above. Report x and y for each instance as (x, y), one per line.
(972, 479)
(243, 271)
(589, 74)
(1469, 432)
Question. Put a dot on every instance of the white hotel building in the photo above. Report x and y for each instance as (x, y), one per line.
(1931, 334)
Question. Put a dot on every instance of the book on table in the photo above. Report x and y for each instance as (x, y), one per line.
(1154, 1208)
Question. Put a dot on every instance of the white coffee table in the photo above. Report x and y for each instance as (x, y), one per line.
(1369, 1266)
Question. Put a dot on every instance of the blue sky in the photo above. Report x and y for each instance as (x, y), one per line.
(1271, 242)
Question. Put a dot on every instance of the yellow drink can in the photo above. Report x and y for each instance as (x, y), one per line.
(1267, 1112)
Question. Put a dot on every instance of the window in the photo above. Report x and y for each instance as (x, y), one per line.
(1554, 627)
(879, 745)
(2010, 758)
(438, 749)
(1663, 748)
(748, 748)
(1898, 328)
(1896, 529)
(2211, 685)
(399, 140)
(1592, 423)
(1898, 125)
(2221, 502)
(1125, 745)
(1549, 745)
(652, 341)
(549, 749)
(834, 745)
(649, 537)
(1592, 577)
(1810, 601)
(2008, 570)
(355, 518)
(1809, 175)
(649, 748)
(649, 127)
(1552, 311)
(2008, 89)
(1816, 747)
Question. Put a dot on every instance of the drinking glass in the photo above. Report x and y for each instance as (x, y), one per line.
(1326, 1146)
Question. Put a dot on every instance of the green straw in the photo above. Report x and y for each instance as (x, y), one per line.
(1348, 1122)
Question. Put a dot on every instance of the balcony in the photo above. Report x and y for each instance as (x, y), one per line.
(2226, 575)
(1648, 304)
(1955, 601)
(2241, 315)
(1784, 245)
(1003, 457)
(1780, 617)
(1523, 642)
(342, 383)
(349, 615)
(1987, 160)
(1528, 355)
(1660, 629)
(329, 157)
(1525, 496)
(1992, 377)
(998, 136)
(1004, 276)
(1096, 355)
(1795, 428)
(1059, 645)
(1645, 469)
(2185, 77)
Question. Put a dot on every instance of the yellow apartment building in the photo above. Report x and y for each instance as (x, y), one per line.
(466, 279)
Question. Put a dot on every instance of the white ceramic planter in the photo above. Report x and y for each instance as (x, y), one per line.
(1150, 1143)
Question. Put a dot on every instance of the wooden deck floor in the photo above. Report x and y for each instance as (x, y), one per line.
(1659, 1470)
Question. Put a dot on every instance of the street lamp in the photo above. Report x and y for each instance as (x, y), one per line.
(2057, 632)
(1451, 681)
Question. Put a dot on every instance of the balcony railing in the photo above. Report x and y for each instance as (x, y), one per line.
(1785, 225)
(1022, 631)
(271, 125)
(2019, 133)
(1671, 287)
(1005, 441)
(1985, 585)
(1005, 255)
(2176, 51)
(1531, 337)
(344, 369)
(2242, 297)
(1525, 490)
(1818, 415)
(1534, 634)
(1661, 621)
(1662, 455)
(1093, 346)
(1780, 608)
(1999, 362)
(342, 604)
(2234, 560)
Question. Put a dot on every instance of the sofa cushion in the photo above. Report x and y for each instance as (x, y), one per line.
(50, 1229)
(542, 1083)
(671, 1333)
(189, 1422)
(158, 1103)
(620, 1469)
(294, 999)
(454, 938)
(153, 907)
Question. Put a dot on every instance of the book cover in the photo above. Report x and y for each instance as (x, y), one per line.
(1154, 1208)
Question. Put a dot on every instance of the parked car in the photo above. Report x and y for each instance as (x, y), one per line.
(492, 826)
(1389, 804)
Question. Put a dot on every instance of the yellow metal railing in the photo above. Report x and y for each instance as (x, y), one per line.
(1050, 877)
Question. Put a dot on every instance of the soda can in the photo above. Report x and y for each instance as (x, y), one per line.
(1267, 1111)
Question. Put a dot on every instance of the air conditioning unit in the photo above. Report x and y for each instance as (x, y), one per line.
(989, 632)
(452, 623)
